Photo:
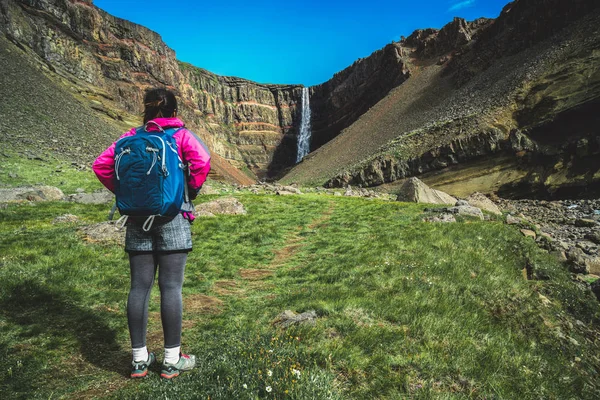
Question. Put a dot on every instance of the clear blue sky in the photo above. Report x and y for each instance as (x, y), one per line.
(294, 42)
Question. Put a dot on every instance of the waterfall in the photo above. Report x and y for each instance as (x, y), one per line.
(304, 135)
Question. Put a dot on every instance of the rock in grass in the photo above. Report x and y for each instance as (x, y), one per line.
(468, 211)
(593, 264)
(203, 213)
(292, 189)
(99, 197)
(284, 193)
(207, 189)
(37, 193)
(415, 191)
(226, 205)
(103, 233)
(510, 220)
(577, 261)
(66, 219)
(560, 255)
(444, 218)
(528, 233)
(289, 318)
(481, 201)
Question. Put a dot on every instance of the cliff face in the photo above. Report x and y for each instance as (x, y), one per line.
(110, 62)
(255, 124)
(339, 102)
(503, 105)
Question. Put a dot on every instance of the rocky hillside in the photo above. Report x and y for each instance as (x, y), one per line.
(339, 102)
(504, 105)
(107, 63)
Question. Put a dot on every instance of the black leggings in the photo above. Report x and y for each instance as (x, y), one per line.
(170, 267)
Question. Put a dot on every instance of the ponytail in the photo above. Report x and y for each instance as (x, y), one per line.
(159, 103)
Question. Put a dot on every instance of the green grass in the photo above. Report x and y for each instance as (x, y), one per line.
(49, 169)
(406, 309)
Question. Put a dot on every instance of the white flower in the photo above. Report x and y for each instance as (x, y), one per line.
(270, 351)
(296, 373)
(245, 386)
(268, 389)
(269, 372)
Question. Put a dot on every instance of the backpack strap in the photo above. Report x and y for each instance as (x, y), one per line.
(160, 128)
(171, 132)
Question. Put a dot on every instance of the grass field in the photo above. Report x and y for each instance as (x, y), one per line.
(406, 309)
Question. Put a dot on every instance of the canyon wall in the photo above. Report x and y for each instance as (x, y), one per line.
(340, 101)
(110, 62)
(513, 97)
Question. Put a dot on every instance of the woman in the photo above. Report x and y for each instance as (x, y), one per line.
(164, 247)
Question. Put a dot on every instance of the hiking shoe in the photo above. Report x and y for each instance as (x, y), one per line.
(139, 369)
(186, 362)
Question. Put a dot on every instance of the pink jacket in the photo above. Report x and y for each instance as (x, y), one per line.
(191, 149)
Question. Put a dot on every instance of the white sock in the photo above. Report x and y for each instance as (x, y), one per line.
(172, 355)
(140, 354)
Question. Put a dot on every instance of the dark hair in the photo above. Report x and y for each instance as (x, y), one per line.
(159, 103)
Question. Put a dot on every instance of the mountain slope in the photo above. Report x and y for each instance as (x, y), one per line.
(494, 96)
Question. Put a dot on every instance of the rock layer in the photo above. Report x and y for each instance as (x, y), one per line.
(109, 62)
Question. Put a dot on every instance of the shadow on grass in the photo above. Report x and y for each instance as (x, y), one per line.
(56, 316)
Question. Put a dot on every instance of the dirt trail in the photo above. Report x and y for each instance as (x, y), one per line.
(293, 244)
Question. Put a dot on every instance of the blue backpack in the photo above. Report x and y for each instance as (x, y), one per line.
(150, 179)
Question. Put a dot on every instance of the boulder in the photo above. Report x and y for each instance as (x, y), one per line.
(587, 247)
(577, 261)
(291, 189)
(479, 200)
(510, 220)
(585, 223)
(207, 189)
(415, 191)
(226, 205)
(593, 263)
(468, 211)
(37, 193)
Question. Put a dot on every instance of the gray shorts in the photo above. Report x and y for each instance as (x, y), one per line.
(166, 235)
